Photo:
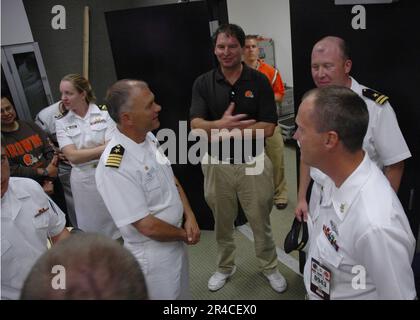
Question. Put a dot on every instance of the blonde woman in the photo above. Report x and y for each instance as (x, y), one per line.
(82, 135)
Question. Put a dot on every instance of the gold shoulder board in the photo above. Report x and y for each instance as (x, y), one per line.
(115, 156)
(376, 96)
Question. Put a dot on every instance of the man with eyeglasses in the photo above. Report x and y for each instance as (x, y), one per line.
(237, 100)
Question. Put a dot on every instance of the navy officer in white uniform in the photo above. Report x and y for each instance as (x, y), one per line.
(28, 218)
(144, 198)
(82, 135)
(383, 142)
(361, 245)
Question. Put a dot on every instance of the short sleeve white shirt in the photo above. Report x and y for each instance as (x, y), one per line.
(93, 130)
(46, 117)
(28, 218)
(384, 141)
(368, 232)
(143, 184)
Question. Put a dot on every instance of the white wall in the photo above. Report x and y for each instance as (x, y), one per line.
(15, 27)
(271, 19)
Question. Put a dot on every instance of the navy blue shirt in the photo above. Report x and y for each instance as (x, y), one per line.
(252, 94)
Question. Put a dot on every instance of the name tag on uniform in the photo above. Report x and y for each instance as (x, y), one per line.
(320, 280)
(71, 127)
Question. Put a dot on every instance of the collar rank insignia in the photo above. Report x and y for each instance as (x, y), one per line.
(103, 107)
(376, 96)
(115, 156)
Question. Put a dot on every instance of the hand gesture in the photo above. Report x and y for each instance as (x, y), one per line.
(230, 121)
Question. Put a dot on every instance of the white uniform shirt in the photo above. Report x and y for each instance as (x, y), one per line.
(28, 217)
(142, 185)
(371, 230)
(141, 178)
(383, 142)
(46, 118)
(94, 129)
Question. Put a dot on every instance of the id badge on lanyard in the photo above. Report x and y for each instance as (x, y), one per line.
(320, 280)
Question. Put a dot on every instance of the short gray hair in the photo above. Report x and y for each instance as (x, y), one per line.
(118, 96)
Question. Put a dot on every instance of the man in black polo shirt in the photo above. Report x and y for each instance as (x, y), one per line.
(239, 100)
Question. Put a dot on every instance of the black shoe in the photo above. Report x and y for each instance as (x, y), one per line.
(281, 206)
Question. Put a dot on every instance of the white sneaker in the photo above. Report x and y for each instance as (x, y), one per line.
(277, 281)
(218, 279)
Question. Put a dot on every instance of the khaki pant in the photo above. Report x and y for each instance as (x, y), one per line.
(224, 185)
(274, 147)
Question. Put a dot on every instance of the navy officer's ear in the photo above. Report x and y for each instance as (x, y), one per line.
(124, 117)
(347, 66)
(331, 139)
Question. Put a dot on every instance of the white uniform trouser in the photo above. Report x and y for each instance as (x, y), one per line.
(91, 212)
(165, 268)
